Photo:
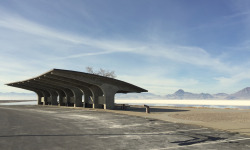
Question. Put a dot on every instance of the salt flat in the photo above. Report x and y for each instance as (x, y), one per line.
(188, 102)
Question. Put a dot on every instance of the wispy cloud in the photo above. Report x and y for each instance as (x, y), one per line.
(239, 14)
(160, 85)
(22, 25)
(191, 55)
(232, 80)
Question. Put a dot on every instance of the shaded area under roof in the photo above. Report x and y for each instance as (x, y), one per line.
(66, 87)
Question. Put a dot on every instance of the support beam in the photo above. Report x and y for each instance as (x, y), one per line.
(109, 95)
(58, 91)
(45, 94)
(38, 92)
(71, 85)
(65, 100)
(77, 99)
(52, 98)
(84, 87)
(98, 99)
(97, 94)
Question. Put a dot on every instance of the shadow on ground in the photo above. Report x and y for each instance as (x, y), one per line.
(143, 109)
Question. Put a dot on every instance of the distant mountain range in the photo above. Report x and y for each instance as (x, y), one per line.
(182, 95)
(243, 94)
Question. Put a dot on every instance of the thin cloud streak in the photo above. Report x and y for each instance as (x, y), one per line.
(230, 81)
(191, 55)
(83, 55)
(20, 24)
(160, 85)
(184, 54)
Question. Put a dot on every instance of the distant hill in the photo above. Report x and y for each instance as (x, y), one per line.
(178, 95)
(242, 94)
(181, 94)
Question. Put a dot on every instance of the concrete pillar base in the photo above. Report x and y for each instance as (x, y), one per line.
(97, 106)
(109, 106)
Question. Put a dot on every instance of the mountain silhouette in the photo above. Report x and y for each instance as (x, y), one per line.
(181, 94)
(242, 94)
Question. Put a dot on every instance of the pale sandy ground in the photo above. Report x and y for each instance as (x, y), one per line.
(232, 120)
(15, 101)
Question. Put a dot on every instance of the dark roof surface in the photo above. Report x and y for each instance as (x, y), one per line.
(64, 78)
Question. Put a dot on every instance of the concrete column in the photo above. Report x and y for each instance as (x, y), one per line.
(60, 94)
(96, 92)
(77, 97)
(39, 97)
(49, 99)
(109, 100)
(109, 95)
(53, 97)
(64, 101)
(86, 99)
(45, 98)
(87, 93)
(39, 100)
(67, 100)
(68, 93)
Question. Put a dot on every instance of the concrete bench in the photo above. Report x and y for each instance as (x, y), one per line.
(122, 106)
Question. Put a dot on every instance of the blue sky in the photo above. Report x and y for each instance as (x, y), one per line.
(160, 45)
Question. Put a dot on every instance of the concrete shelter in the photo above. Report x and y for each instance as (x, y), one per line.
(78, 89)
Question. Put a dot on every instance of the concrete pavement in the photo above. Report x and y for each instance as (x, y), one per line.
(54, 128)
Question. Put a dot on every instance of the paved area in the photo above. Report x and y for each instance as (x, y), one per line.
(55, 128)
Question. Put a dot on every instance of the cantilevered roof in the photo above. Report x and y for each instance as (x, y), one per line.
(58, 79)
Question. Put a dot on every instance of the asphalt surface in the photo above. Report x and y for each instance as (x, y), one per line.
(56, 128)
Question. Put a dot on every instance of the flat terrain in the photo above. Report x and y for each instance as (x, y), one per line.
(14, 101)
(232, 120)
(54, 128)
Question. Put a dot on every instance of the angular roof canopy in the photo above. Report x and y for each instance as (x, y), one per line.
(58, 79)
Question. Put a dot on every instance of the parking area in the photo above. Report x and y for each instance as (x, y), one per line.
(45, 127)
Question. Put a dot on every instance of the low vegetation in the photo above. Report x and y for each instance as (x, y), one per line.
(101, 72)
